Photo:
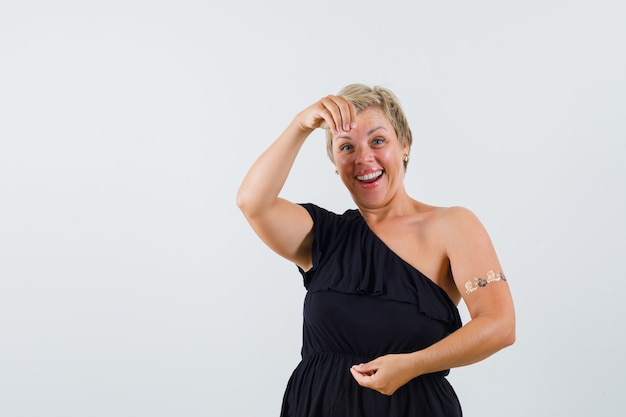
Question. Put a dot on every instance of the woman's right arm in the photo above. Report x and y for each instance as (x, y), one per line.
(286, 227)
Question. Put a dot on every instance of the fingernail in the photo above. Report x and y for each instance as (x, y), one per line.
(346, 128)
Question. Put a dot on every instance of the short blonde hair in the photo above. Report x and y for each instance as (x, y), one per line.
(363, 97)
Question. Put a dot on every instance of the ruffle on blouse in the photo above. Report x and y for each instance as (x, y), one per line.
(349, 258)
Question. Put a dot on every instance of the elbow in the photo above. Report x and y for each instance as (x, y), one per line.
(243, 201)
(507, 333)
(499, 333)
(509, 339)
(252, 203)
(499, 338)
(240, 200)
(504, 329)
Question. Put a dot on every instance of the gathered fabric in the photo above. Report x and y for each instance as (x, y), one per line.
(364, 301)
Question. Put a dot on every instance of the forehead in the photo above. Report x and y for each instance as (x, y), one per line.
(372, 114)
(368, 120)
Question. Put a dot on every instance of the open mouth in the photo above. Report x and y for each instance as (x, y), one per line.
(369, 178)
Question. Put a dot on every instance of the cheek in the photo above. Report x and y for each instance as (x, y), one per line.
(343, 162)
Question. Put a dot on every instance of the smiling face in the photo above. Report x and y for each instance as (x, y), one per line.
(370, 159)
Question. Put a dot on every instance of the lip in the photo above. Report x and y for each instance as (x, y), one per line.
(369, 171)
(368, 175)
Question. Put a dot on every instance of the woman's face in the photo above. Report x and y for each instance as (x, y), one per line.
(369, 159)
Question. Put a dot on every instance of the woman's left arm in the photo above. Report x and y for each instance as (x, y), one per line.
(480, 280)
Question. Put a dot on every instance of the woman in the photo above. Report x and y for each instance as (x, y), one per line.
(381, 328)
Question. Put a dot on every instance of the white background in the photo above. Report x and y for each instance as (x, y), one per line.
(130, 284)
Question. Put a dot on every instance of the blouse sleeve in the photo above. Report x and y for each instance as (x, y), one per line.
(324, 222)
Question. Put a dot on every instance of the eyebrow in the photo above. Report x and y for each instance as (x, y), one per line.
(374, 129)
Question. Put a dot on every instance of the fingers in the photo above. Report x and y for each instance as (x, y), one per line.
(331, 112)
(364, 379)
(384, 374)
(338, 113)
(368, 377)
(368, 369)
(364, 374)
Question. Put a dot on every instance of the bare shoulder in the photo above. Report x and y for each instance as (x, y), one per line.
(456, 219)
(454, 213)
(454, 228)
(439, 219)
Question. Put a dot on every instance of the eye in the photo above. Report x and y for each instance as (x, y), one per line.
(378, 141)
(345, 147)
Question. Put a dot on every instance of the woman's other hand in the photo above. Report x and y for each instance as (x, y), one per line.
(384, 374)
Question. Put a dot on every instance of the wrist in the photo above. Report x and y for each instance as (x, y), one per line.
(298, 130)
(416, 363)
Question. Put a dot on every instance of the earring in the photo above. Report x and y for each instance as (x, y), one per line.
(406, 157)
(336, 172)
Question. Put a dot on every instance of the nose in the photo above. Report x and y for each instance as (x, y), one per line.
(364, 154)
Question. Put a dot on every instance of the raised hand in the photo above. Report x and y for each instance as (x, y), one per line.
(331, 112)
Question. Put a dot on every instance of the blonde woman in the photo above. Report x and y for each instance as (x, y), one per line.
(381, 326)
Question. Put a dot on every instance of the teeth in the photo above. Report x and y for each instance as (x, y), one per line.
(369, 176)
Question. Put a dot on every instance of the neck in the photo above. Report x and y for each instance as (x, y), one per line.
(400, 205)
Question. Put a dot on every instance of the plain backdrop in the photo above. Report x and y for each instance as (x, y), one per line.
(131, 285)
